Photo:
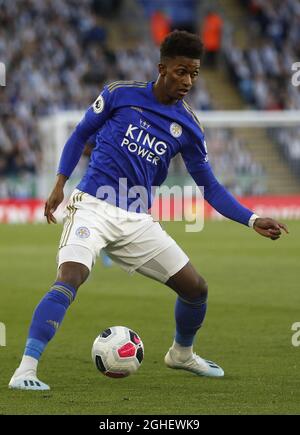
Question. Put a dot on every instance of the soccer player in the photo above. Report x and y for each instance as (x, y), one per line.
(140, 127)
(88, 149)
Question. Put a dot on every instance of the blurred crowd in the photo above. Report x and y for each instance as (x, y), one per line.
(263, 70)
(57, 57)
(288, 141)
(236, 168)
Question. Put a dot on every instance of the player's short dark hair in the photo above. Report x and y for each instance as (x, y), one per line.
(181, 43)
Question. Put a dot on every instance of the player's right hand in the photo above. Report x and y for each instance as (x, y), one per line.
(56, 198)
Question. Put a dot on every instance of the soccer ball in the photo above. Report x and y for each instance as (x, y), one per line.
(118, 352)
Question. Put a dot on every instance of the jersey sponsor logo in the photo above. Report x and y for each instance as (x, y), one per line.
(98, 105)
(83, 232)
(175, 129)
(140, 142)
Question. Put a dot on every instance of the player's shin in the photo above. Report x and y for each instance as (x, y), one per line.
(189, 316)
(46, 319)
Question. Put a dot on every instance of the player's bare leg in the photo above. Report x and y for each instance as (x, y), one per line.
(190, 312)
(46, 320)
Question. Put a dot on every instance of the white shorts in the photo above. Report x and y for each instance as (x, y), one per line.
(132, 240)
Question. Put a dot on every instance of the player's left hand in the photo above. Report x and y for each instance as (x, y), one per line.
(270, 228)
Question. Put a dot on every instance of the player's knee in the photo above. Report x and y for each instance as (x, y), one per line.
(189, 285)
(198, 289)
(74, 274)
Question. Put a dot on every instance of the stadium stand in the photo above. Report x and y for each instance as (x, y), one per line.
(262, 70)
(58, 56)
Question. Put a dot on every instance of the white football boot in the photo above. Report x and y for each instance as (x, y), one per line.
(27, 381)
(194, 364)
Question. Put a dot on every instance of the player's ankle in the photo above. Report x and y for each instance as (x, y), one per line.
(181, 353)
(28, 364)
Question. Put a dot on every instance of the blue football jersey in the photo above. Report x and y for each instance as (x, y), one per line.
(136, 138)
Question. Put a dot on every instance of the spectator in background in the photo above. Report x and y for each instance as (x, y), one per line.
(57, 50)
(274, 35)
(212, 36)
(160, 25)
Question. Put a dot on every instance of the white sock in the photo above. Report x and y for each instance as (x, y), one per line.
(27, 364)
(182, 353)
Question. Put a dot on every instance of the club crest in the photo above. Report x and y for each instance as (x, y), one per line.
(175, 129)
(83, 232)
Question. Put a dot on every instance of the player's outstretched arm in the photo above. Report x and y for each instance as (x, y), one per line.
(269, 227)
(56, 197)
(222, 201)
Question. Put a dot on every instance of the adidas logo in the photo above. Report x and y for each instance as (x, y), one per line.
(53, 323)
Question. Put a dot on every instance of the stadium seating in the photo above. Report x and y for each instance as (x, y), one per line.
(62, 64)
(263, 70)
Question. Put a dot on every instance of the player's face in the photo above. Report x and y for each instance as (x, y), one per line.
(179, 74)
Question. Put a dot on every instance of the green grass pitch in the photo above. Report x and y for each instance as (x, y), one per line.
(254, 299)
